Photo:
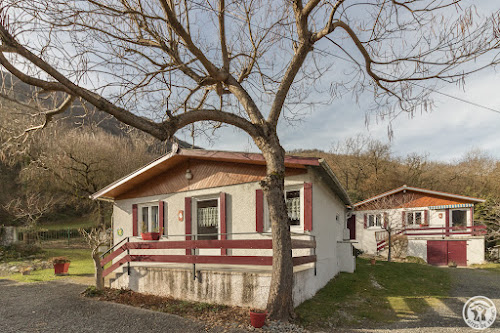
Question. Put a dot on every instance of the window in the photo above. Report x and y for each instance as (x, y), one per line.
(292, 199)
(458, 218)
(374, 220)
(207, 219)
(415, 218)
(150, 221)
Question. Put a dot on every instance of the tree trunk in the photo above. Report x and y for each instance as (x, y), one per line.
(280, 301)
(99, 280)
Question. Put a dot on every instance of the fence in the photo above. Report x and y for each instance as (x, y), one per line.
(71, 235)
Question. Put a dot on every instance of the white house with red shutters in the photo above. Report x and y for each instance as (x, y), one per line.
(211, 220)
(439, 227)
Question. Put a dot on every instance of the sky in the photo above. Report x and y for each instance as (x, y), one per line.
(445, 134)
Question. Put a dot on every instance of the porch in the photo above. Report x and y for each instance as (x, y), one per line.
(239, 274)
(426, 232)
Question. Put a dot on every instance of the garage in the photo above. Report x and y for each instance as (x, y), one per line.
(442, 252)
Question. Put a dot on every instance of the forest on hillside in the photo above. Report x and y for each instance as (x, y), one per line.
(48, 173)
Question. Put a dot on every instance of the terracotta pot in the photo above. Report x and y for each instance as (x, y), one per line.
(150, 235)
(258, 319)
(373, 261)
(61, 269)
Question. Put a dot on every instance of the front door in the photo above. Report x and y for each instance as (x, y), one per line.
(351, 225)
(206, 223)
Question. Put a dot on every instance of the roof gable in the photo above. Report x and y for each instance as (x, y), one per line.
(205, 173)
(210, 169)
(412, 197)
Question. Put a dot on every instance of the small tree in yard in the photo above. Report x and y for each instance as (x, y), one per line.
(391, 219)
(95, 238)
(160, 65)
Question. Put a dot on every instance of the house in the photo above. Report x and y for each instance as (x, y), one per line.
(436, 226)
(214, 232)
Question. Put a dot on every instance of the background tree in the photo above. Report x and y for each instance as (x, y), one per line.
(162, 65)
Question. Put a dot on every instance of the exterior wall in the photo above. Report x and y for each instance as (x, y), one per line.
(417, 248)
(329, 229)
(475, 251)
(8, 235)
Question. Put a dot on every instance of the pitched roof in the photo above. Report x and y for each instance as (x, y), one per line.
(419, 190)
(177, 156)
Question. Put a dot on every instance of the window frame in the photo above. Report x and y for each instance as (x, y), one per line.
(466, 217)
(413, 213)
(140, 221)
(194, 212)
(375, 215)
(293, 228)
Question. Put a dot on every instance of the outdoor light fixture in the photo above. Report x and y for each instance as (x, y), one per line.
(189, 175)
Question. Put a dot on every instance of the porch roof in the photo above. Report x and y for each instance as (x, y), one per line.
(176, 156)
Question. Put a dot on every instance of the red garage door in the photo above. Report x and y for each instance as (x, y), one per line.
(442, 252)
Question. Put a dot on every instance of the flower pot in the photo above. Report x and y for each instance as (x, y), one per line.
(61, 269)
(373, 261)
(150, 235)
(258, 319)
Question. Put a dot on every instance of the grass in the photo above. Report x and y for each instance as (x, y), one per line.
(494, 267)
(80, 269)
(382, 293)
(69, 222)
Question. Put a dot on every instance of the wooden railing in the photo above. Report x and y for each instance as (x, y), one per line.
(381, 237)
(202, 259)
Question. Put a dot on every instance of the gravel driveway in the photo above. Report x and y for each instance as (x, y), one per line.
(446, 314)
(57, 307)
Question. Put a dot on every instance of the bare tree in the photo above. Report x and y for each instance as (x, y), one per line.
(95, 238)
(30, 209)
(160, 65)
(389, 212)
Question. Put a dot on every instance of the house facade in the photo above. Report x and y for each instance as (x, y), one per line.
(214, 231)
(435, 226)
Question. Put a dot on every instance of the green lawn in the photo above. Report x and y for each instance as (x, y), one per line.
(382, 293)
(80, 269)
(65, 222)
(494, 267)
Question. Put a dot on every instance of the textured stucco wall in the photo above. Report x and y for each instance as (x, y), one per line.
(327, 228)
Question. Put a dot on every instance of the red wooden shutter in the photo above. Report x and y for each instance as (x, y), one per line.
(308, 222)
(386, 219)
(426, 217)
(365, 224)
(447, 221)
(135, 229)
(259, 211)
(223, 220)
(187, 220)
(161, 216)
(403, 220)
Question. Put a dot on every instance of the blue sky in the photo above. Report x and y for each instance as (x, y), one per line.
(446, 133)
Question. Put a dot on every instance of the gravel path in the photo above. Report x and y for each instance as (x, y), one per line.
(58, 307)
(446, 314)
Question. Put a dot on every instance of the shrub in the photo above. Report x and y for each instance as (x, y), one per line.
(92, 291)
(415, 260)
(60, 260)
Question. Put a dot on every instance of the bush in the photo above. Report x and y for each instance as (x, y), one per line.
(18, 251)
(92, 291)
(415, 260)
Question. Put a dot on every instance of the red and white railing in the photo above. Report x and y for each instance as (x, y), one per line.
(125, 246)
(381, 237)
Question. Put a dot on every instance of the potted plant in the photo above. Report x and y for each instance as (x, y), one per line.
(373, 261)
(61, 265)
(452, 264)
(257, 317)
(154, 235)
